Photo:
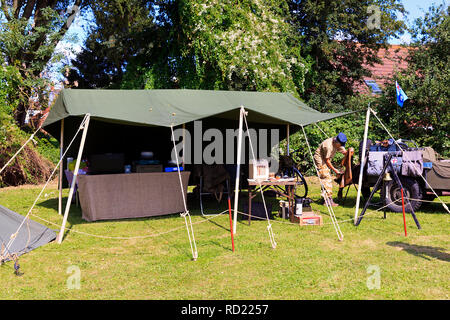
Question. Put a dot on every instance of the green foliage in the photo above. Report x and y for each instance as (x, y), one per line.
(352, 126)
(48, 147)
(29, 33)
(10, 81)
(248, 45)
(262, 45)
(338, 40)
(34, 163)
(31, 165)
(424, 117)
(122, 39)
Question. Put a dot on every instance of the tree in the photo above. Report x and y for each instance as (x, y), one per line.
(29, 33)
(425, 115)
(124, 34)
(248, 45)
(339, 38)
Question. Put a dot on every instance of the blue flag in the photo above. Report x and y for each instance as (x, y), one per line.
(401, 96)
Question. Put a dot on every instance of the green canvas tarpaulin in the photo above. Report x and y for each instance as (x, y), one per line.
(174, 107)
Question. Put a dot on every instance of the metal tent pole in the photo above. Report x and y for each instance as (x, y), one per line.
(238, 169)
(75, 176)
(61, 166)
(287, 139)
(362, 162)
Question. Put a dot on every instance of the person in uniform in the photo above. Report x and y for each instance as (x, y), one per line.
(322, 158)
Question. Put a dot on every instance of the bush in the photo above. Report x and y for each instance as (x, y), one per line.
(29, 167)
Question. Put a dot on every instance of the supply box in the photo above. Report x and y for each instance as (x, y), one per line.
(258, 169)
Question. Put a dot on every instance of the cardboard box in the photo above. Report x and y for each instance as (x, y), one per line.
(311, 220)
(258, 169)
(308, 219)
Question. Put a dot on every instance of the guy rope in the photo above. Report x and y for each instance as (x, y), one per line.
(269, 225)
(185, 214)
(20, 149)
(425, 180)
(329, 207)
(25, 219)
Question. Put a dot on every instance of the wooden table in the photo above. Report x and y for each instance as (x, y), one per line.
(275, 185)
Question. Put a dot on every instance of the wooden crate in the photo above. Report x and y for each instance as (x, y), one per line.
(308, 219)
(311, 219)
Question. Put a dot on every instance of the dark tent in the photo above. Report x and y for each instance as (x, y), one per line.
(131, 121)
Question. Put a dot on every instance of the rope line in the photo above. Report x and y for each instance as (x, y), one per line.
(443, 204)
(126, 238)
(321, 130)
(20, 149)
(269, 226)
(14, 235)
(328, 205)
(185, 214)
(422, 200)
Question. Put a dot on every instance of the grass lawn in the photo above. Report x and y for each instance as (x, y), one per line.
(308, 263)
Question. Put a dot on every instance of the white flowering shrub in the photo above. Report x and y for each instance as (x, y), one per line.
(248, 43)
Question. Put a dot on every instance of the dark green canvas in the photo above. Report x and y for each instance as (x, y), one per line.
(174, 107)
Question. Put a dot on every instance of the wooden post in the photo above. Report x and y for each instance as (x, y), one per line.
(75, 176)
(61, 166)
(238, 169)
(231, 220)
(184, 146)
(363, 162)
(287, 138)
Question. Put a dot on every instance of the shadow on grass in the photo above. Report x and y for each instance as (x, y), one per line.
(75, 215)
(422, 251)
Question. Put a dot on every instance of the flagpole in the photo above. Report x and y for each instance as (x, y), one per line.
(397, 108)
(398, 121)
(401, 98)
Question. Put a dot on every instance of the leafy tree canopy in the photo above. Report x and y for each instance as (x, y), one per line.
(425, 115)
(340, 38)
(29, 33)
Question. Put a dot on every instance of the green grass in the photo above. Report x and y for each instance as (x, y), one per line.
(308, 263)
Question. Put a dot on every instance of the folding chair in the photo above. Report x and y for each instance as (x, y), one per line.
(202, 193)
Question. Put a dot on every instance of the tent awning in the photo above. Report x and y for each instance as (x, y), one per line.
(168, 107)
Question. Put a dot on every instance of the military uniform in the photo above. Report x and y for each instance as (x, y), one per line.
(326, 150)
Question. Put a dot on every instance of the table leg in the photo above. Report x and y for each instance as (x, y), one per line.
(291, 204)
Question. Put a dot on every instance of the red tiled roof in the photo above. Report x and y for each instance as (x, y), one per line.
(392, 60)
